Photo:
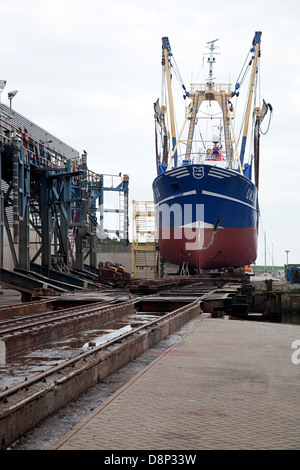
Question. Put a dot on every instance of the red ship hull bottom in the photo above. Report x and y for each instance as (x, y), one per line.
(224, 248)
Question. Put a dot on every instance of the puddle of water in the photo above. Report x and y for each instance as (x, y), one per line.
(107, 336)
(15, 369)
(141, 318)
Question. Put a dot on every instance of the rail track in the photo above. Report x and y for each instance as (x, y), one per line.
(37, 319)
(141, 322)
(25, 404)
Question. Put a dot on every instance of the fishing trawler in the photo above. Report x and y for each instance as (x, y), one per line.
(206, 202)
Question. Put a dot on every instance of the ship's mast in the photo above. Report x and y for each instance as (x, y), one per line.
(208, 92)
(212, 92)
(211, 60)
(165, 61)
(256, 50)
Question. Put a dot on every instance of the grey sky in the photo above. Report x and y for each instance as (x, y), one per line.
(89, 73)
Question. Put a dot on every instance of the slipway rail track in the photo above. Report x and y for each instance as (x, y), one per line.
(39, 395)
(27, 403)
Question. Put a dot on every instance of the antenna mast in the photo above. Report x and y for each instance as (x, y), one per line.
(211, 60)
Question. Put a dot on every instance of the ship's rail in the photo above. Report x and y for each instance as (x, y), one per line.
(201, 158)
(217, 87)
(39, 154)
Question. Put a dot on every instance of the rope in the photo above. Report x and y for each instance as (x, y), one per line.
(264, 133)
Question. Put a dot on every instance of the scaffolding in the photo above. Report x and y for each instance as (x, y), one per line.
(50, 202)
(144, 246)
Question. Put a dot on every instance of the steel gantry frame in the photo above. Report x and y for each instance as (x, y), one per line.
(49, 200)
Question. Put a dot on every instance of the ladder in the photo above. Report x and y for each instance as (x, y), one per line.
(192, 124)
(123, 216)
(228, 146)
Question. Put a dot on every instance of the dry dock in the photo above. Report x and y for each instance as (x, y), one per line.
(224, 385)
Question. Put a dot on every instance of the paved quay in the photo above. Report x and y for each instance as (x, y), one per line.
(225, 385)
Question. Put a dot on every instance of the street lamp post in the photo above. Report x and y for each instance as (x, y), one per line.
(11, 95)
(287, 261)
(287, 256)
(2, 86)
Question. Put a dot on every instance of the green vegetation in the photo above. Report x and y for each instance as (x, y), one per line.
(279, 271)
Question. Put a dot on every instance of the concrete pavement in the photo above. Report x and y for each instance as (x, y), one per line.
(225, 385)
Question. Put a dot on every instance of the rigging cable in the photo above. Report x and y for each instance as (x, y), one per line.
(237, 81)
(251, 142)
(271, 114)
(269, 106)
(178, 76)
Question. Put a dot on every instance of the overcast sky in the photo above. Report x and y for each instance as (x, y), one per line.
(89, 72)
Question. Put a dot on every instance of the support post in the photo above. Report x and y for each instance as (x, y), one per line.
(83, 230)
(15, 184)
(45, 222)
(1, 214)
(24, 222)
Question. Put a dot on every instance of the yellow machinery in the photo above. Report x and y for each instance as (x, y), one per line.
(144, 252)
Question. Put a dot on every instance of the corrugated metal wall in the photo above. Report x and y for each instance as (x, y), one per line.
(37, 133)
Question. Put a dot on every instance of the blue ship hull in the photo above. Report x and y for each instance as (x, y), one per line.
(206, 216)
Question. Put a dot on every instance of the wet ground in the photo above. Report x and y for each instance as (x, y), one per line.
(20, 367)
(9, 296)
(52, 428)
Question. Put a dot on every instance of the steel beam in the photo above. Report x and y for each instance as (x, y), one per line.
(26, 284)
